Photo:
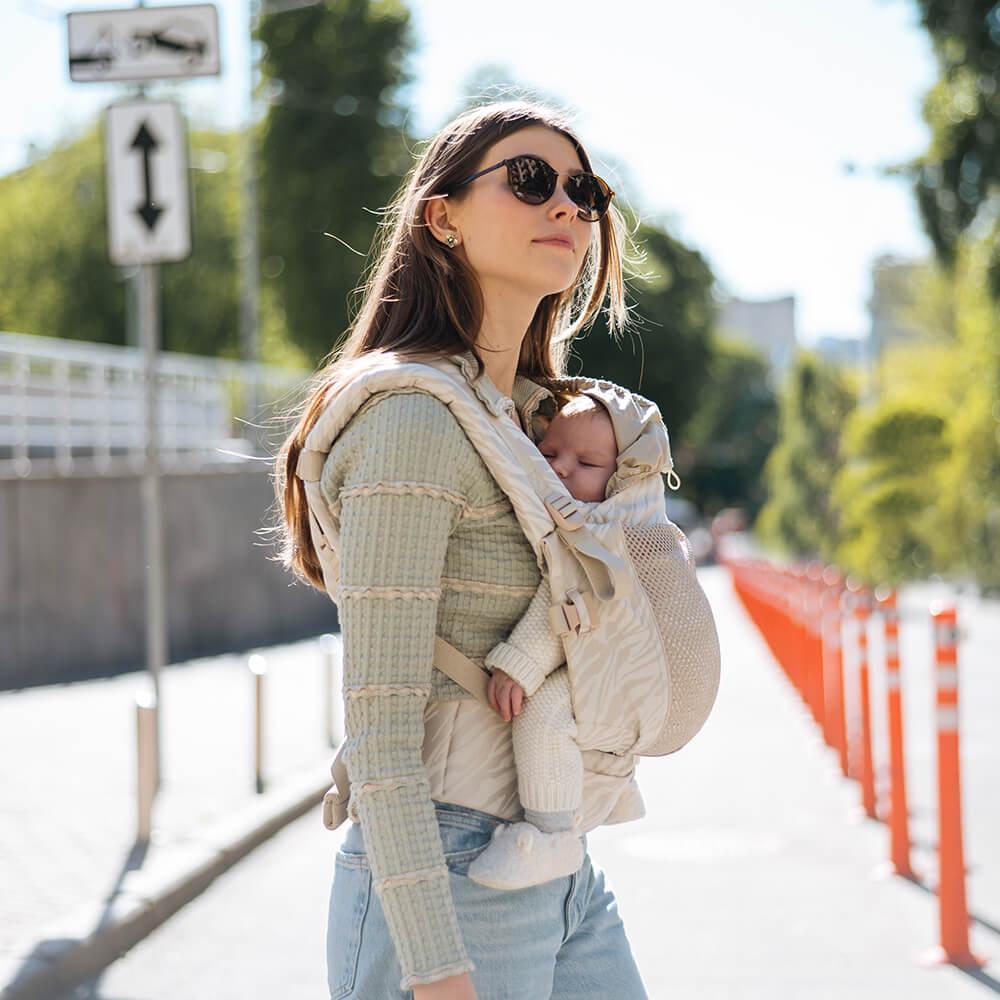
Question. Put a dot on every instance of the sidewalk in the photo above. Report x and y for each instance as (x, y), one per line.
(77, 890)
(752, 874)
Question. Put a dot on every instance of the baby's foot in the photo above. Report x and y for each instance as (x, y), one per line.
(520, 855)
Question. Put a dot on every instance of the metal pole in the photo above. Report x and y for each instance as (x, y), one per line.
(155, 591)
(249, 252)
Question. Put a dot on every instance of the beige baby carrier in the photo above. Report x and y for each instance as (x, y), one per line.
(642, 651)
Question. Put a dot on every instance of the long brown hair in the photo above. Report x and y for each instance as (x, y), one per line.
(421, 299)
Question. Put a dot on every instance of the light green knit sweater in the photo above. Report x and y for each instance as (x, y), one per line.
(429, 545)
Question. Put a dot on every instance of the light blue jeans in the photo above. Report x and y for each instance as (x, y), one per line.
(562, 939)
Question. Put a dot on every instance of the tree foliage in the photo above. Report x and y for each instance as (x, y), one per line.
(332, 150)
(721, 457)
(799, 516)
(887, 489)
(57, 279)
(960, 171)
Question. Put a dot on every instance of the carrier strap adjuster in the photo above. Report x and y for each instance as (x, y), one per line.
(564, 512)
(578, 614)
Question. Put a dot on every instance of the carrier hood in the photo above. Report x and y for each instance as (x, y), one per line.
(640, 433)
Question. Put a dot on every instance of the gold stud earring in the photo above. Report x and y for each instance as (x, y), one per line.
(451, 240)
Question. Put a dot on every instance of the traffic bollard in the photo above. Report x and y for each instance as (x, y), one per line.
(258, 670)
(146, 776)
(899, 817)
(331, 686)
(953, 912)
(831, 659)
(862, 613)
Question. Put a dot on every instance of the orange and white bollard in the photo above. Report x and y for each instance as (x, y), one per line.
(831, 660)
(866, 775)
(899, 817)
(954, 915)
(814, 641)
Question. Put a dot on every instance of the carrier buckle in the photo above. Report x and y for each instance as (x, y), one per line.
(564, 512)
(572, 616)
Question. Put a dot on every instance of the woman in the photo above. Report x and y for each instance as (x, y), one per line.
(499, 248)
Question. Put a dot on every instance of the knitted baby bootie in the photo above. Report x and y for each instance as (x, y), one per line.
(520, 855)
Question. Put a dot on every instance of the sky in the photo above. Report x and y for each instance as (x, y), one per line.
(730, 122)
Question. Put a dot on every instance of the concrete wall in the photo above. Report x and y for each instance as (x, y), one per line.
(71, 574)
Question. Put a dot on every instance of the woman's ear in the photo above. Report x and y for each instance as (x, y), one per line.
(438, 216)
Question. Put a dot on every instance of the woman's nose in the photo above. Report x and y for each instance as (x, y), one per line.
(561, 206)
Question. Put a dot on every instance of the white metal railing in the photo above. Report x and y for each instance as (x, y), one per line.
(75, 408)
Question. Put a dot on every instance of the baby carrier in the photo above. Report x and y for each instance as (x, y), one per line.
(642, 651)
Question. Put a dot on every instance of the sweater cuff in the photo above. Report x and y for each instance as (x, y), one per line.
(513, 662)
(423, 978)
(420, 913)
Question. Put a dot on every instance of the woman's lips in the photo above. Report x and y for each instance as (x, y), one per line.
(555, 241)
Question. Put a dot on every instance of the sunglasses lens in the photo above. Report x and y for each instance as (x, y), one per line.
(531, 179)
(591, 195)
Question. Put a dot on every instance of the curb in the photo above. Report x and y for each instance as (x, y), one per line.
(81, 946)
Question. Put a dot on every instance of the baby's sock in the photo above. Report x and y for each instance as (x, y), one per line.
(550, 822)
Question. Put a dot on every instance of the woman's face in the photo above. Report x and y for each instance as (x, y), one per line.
(502, 237)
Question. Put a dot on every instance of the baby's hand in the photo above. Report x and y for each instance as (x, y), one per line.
(505, 694)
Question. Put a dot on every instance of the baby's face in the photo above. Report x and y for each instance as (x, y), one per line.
(582, 451)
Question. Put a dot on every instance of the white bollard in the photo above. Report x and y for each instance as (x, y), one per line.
(146, 769)
(258, 668)
(331, 683)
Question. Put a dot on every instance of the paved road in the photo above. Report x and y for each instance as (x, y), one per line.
(747, 878)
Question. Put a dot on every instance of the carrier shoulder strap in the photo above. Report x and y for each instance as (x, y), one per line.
(541, 503)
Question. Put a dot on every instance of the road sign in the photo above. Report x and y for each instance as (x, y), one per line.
(149, 216)
(143, 43)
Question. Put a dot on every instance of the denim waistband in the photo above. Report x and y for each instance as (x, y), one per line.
(474, 819)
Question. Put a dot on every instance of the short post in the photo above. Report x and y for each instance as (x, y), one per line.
(258, 668)
(862, 613)
(899, 819)
(830, 658)
(328, 655)
(146, 770)
(954, 914)
(814, 646)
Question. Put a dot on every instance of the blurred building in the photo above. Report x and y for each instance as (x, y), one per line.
(767, 324)
(894, 286)
(848, 352)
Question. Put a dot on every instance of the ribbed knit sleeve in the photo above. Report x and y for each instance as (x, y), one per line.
(400, 470)
(532, 650)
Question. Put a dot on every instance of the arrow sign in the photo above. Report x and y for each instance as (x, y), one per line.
(145, 143)
(147, 183)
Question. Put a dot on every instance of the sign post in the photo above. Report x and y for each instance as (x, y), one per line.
(149, 216)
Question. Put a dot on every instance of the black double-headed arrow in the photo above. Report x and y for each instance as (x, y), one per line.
(149, 211)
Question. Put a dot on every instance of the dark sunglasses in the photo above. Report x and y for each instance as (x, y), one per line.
(533, 181)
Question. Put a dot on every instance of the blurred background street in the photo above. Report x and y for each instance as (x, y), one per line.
(189, 197)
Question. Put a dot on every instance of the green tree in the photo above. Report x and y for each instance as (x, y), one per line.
(665, 356)
(960, 171)
(886, 491)
(965, 537)
(731, 433)
(332, 150)
(57, 279)
(799, 516)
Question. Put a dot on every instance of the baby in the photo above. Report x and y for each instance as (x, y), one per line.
(580, 445)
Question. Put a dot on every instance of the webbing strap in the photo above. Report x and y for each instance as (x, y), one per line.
(461, 670)
(448, 660)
